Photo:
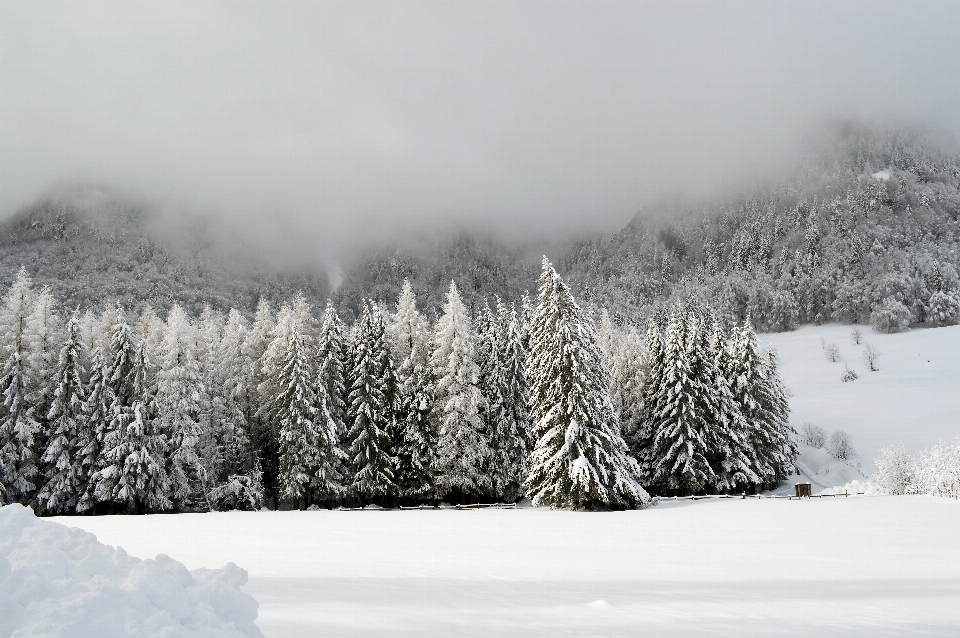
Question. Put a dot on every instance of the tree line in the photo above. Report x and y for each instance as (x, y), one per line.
(116, 414)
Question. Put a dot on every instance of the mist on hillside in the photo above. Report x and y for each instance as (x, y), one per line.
(311, 129)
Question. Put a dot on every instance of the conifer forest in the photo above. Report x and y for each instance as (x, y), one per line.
(117, 413)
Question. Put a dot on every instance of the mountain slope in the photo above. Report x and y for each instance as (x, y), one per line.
(92, 248)
(869, 222)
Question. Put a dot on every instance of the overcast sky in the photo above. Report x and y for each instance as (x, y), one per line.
(356, 120)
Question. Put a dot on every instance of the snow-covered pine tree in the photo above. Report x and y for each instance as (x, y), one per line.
(508, 410)
(68, 420)
(579, 459)
(733, 460)
(309, 457)
(18, 462)
(464, 448)
(132, 475)
(93, 431)
(415, 434)
(371, 409)
(641, 439)
(761, 396)
(687, 435)
(181, 406)
(332, 362)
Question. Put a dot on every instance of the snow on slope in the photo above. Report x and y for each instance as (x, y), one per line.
(858, 566)
(60, 582)
(913, 399)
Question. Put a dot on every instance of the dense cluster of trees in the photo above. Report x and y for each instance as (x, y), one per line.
(867, 233)
(111, 413)
(935, 471)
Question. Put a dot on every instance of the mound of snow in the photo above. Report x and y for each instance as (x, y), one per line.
(823, 470)
(57, 581)
(865, 488)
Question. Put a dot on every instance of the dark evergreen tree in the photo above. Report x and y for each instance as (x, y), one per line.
(371, 410)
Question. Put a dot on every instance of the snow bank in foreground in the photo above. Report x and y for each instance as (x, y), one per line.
(59, 581)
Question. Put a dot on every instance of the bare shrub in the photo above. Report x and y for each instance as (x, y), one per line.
(813, 436)
(832, 351)
(857, 335)
(848, 375)
(840, 446)
(870, 356)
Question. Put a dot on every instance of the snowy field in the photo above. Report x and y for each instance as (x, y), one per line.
(867, 566)
(913, 399)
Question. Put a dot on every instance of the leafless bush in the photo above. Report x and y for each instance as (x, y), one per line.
(813, 436)
(857, 335)
(848, 375)
(832, 351)
(841, 446)
(870, 356)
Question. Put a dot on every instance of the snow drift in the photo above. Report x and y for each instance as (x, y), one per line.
(57, 581)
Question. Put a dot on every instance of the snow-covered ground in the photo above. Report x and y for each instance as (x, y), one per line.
(913, 399)
(865, 566)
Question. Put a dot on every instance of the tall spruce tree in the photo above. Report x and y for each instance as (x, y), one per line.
(464, 448)
(132, 475)
(688, 436)
(579, 459)
(641, 438)
(508, 407)
(415, 434)
(68, 420)
(733, 459)
(371, 410)
(18, 456)
(310, 459)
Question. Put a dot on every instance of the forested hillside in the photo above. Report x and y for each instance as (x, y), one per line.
(93, 248)
(867, 231)
(482, 266)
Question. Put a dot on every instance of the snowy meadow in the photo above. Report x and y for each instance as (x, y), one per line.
(863, 566)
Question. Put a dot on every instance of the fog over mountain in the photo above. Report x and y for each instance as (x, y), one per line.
(315, 128)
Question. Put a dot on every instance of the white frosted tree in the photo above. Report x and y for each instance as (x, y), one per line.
(42, 345)
(18, 458)
(579, 459)
(68, 420)
(415, 433)
(181, 406)
(239, 484)
(464, 448)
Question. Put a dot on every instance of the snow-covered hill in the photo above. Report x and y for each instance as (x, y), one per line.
(914, 397)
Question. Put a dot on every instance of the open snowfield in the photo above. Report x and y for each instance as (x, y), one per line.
(913, 399)
(867, 566)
